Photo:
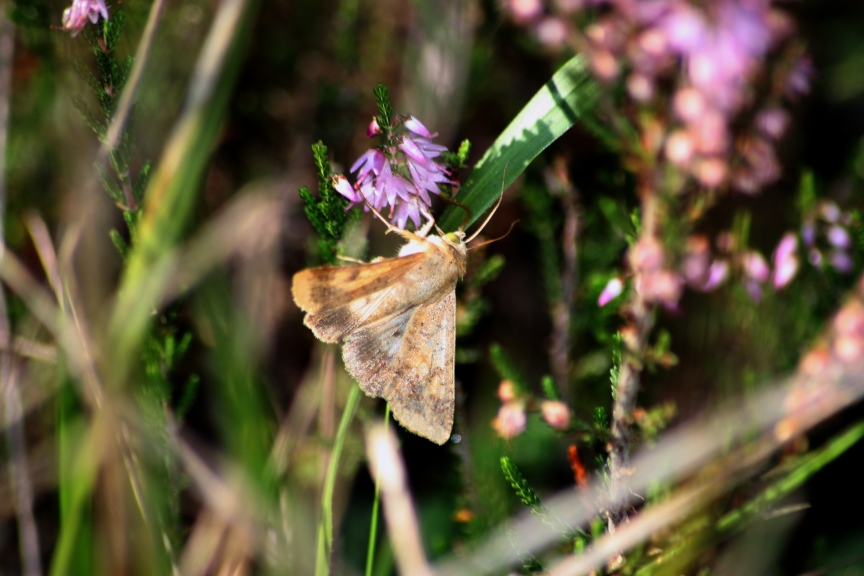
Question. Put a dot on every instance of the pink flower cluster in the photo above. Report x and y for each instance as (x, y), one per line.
(712, 55)
(512, 419)
(76, 16)
(401, 174)
(824, 237)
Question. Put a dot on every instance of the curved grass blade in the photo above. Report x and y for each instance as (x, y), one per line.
(172, 191)
(551, 112)
(325, 525)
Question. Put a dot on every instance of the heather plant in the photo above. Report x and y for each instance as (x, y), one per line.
(658, 366)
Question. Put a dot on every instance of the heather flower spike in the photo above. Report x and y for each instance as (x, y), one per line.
(711, 55)
(76, 16)
(400, 174)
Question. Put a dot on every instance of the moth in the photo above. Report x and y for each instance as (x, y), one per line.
(396, 319)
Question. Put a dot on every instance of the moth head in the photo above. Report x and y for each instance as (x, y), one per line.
(455, 243)
(456, 238)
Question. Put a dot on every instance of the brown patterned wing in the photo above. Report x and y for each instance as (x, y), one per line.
(338, 299)
(408, 359)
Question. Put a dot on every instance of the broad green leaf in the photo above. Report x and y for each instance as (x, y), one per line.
(552, 111)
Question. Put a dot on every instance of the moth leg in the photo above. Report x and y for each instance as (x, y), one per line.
(352, 260)
(430, 222)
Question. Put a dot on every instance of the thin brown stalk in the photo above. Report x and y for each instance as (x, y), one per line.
(561, 349)
(641, 319)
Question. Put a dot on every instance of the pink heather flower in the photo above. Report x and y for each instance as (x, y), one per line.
(373, 129)
(829, 211)
(525, 10)
(685, 28)
(552, 32)
(755, 266)
(838, 237)
(710, 132)
(604, 63)
(653, 42)
(663, 287)
(647, 255)
(612, 290)
(556, 414)
(689, 104)
(772, 122)
(717, 274)
(840, 261)
(694, 266)
(75, 17)
(341, 185)
(785, 260)
(506, 391)
(417, 127)
(808, 233)
(711, 172)
(510, 421)
(640, 86)
(679, 148)
(401, 175)
(798, 81)
(698, 270)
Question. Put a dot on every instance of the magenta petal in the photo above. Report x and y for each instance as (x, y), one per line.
(411, 150)
(755, 266)
(830, 212)
(838, 237)
(717, 274)
(612, 290)
(373, 129)
(417, 127)
(373, 160)
(787, 247)
(785, 270)
(841, 261)
(343, 187)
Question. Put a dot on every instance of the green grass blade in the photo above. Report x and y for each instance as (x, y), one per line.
(551, 112)
(803, 470)
(325, 524)
(376, 506)
(172, 190)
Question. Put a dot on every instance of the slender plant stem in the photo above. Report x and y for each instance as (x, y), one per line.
(325, 524)
(560, 351)
(376, 505)
(641, 317)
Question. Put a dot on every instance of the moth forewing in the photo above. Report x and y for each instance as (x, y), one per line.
(397, 319)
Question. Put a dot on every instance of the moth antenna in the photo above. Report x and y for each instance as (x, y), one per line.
(500, 198)
(460, 205)
(495, 239)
